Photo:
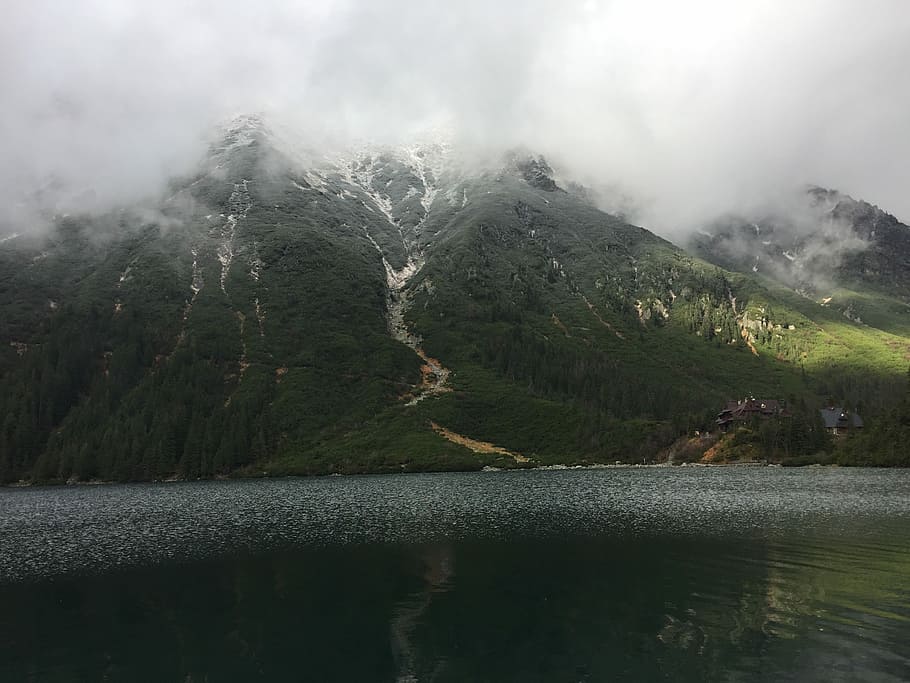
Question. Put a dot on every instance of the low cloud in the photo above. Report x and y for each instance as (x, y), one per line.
(683, 110)
(801, 241)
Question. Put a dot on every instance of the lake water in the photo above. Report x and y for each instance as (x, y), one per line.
(731, 574)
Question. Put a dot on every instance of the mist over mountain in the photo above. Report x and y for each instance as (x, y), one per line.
(290, 241)
(802, 243)
(285, 309)
(444, 236)
(684, 113)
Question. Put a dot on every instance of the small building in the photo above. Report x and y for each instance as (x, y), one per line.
(839, 421)
(750, 409)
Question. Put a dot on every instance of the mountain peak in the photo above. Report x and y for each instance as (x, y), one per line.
(239, 131)
(533, 168)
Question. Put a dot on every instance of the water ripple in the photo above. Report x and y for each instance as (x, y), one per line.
(695, 574)
(49, 531)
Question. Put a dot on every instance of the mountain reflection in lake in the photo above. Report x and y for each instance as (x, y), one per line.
(720, 574)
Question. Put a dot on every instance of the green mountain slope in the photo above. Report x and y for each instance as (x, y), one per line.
(845, 264)
(386, 310)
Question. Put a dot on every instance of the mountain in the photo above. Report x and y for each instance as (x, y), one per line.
(287, 311)
(844, 254)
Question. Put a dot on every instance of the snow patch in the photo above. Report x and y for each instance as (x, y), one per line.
(124, 275)
(239, 204)
(315, 180)
(359, 171)
(196, 284)
(255, 266)
(416, 159)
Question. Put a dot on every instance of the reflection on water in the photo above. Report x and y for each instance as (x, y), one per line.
(538, 576)
(437, 574)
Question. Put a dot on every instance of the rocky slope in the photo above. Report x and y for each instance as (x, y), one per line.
(382, 310)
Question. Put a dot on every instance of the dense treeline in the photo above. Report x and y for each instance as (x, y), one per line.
(154, 390)
(131, 374)
(589, 378)
(496, 301)
(262, 343)
(40, 393)
(796, 437)
(884, 441)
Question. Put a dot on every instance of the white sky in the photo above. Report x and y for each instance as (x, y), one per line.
(691, 107)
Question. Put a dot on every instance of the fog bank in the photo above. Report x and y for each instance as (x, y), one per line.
(691, 109)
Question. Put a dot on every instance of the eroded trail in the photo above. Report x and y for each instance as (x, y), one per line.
(434, 376)
(484, 447)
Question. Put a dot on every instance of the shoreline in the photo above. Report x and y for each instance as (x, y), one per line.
(23, 484)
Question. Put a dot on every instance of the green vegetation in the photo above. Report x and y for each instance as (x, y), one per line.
(882, 443)
(260, 343)
(798, 438)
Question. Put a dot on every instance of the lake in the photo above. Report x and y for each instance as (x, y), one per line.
(730, 574)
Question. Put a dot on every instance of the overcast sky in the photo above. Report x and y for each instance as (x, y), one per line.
(692, 107)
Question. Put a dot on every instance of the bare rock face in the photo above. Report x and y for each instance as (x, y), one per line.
(534, 170)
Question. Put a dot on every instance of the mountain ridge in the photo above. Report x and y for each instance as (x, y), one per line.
(346, 314)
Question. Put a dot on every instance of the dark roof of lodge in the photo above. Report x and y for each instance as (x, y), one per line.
(752, 405)
(836, 417)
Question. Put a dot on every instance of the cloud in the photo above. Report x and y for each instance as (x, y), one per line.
(801, 240)
(692, 108)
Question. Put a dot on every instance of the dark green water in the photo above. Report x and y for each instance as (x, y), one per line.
(621, 574)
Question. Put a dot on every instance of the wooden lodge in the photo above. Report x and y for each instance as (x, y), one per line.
(839, 422)
(748, 410)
